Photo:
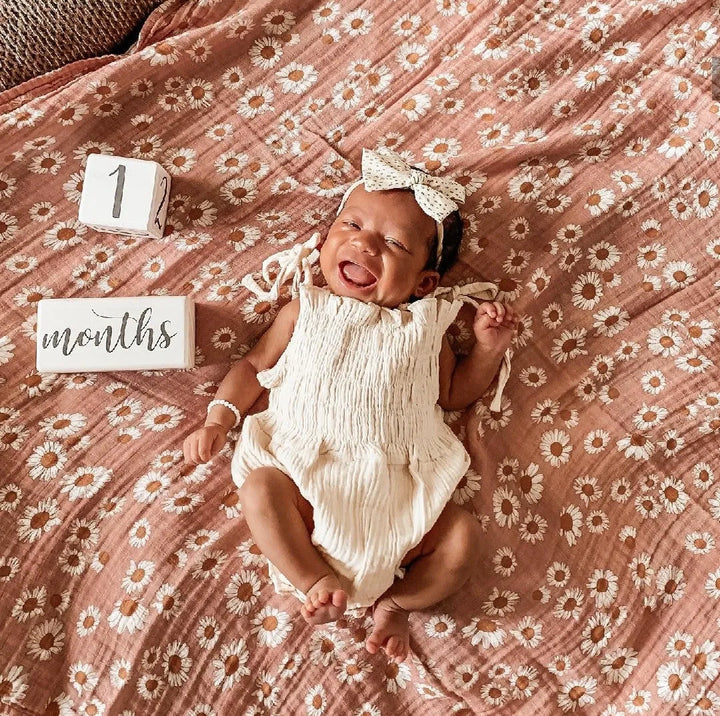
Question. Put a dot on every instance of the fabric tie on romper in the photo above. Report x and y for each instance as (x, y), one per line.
(470, 293)
(298, 261)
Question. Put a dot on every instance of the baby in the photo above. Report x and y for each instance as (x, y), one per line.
(346, 479)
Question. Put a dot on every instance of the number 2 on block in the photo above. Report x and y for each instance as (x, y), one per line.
(119, 186)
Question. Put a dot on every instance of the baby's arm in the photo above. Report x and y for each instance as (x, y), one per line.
(241, 387)
(464, 380)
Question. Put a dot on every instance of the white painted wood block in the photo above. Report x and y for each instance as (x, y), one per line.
(124, 196)
(110, 334)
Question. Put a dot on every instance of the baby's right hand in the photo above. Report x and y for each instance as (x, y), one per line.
(205, 442)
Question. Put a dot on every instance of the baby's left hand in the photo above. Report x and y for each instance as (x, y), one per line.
(494, 326)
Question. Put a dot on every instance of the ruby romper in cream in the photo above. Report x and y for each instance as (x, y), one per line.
(353, 419)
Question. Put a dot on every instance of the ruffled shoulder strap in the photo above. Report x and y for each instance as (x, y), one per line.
(293, 263)
(473, 293)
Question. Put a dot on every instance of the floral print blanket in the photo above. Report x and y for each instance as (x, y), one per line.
(586, 135)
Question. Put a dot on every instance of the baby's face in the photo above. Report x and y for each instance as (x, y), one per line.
(377, 248)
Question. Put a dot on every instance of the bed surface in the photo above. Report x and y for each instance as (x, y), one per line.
(587, 138)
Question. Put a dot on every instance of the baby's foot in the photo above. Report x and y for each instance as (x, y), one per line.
(325, 601)
(391, 631)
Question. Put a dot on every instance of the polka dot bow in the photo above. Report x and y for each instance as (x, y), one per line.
(436, 196)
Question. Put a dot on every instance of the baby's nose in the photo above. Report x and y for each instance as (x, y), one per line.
(366, 241)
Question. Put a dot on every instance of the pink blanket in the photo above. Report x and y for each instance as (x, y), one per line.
(587, 138)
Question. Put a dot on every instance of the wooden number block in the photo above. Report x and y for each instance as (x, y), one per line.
(111, 334)
(124, 196)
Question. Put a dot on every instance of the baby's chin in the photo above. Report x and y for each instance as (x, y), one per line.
(368, 297)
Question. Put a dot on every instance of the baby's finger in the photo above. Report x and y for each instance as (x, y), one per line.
(486, 309)
(194, 451)
(484, 320)
(208, 444)
(188, 451)
(216, 445)
(208, 448)
(204, 445)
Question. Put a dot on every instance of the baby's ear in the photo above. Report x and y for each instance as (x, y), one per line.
(427, 282)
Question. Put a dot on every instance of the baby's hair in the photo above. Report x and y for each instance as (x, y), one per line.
(452, 237)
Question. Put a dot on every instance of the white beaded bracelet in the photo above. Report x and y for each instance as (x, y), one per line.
(229, 406)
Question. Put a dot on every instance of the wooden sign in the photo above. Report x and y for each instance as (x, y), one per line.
(112, 334)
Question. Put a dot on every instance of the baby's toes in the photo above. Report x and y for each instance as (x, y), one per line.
(392, 648)
(322, 598)
(403, 652)
(397, 649)
(372, 644)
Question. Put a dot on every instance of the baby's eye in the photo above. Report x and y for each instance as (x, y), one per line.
(352, 224)
(395, 243)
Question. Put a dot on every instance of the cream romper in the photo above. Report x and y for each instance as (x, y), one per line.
(354, 421)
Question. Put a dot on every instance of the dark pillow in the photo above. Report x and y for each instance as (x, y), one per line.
(37, 36)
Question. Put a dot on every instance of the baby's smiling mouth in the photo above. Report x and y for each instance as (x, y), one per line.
(356, 275)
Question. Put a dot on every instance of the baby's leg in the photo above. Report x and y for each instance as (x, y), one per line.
(280, 520)
(437, 568)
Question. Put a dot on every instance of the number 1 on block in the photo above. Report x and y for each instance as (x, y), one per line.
(125, 196)
(120, 171)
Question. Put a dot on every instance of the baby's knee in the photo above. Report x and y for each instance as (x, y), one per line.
(464, 538)
(259, 488)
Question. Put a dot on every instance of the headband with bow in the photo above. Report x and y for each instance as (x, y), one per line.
(436, 196)
(381, 171)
